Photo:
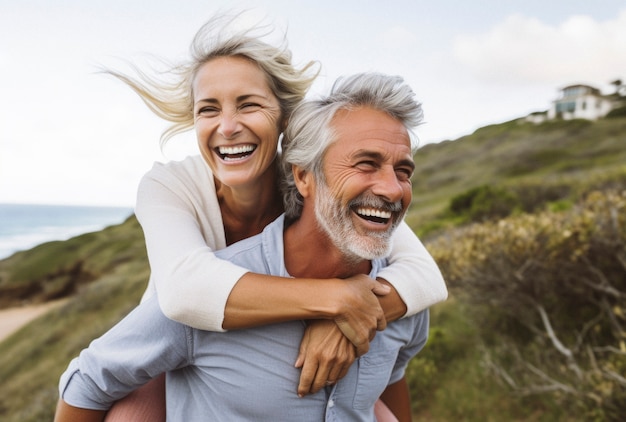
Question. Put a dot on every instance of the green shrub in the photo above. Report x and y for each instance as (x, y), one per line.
(617, 113)
(549, 299)
(484, 203)
(534, 196)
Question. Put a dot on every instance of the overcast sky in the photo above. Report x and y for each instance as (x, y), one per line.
(69, 135)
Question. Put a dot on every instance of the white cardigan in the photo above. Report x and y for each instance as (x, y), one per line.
(178, 210)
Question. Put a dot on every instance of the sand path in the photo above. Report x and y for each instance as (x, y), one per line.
(12, 319)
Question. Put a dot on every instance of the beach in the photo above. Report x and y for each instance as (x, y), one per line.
(12, 319)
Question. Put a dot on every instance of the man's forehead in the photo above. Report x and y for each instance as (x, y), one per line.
(365, 123)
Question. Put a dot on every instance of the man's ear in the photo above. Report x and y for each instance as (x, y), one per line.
(303, 179)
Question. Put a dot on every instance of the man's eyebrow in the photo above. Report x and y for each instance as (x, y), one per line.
(408, 163)
(364, 153)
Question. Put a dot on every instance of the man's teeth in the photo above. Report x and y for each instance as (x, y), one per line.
(236, 150)
(371, 212)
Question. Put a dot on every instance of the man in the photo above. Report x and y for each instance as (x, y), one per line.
(348, 163)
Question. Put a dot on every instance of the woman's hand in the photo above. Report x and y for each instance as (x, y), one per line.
(359, 313)
(325, 356)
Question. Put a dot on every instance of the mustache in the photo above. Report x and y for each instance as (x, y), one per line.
(373, 201)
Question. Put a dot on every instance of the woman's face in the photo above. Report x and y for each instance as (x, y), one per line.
(237, 119)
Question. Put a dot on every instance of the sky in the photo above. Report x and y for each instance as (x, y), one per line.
(73, 136)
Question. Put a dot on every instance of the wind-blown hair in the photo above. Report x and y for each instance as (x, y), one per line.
(309, 132)
(170, 96)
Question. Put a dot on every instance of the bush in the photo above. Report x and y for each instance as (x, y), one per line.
(484, 203)
(549, 298)
(617, 113)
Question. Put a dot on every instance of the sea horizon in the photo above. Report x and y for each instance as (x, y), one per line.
(24, 226)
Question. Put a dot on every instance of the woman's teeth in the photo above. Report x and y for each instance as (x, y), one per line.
(235, 152)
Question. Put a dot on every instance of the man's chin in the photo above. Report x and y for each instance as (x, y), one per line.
(370, 249)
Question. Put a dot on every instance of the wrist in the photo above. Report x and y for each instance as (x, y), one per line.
(323, 298)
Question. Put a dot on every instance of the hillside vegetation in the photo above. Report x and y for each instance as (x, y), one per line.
(528, 224)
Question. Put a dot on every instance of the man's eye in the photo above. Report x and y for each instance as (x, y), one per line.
(404, 174)
(366, 165)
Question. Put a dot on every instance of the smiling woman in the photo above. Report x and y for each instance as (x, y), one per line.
(238, 121)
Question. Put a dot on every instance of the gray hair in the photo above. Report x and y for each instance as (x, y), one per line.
(309, 132)
(171, 96)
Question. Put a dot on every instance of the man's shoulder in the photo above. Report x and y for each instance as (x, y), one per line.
(258, 253)
(241, 248)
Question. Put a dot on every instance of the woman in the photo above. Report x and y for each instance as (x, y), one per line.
(238, 92)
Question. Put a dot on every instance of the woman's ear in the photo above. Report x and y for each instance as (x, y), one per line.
(303, 180)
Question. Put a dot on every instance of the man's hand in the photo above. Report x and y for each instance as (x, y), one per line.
(359, 313)
(325, 356)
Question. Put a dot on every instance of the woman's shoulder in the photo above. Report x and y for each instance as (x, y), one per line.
(188, 183)
(189, 175)
(190, 169)
(193, 164)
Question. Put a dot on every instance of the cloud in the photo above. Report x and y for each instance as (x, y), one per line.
(398, 38)
(525, 50)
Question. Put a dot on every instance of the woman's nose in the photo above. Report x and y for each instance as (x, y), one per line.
(229, 126)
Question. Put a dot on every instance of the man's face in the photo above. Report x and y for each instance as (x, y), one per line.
(368, 173)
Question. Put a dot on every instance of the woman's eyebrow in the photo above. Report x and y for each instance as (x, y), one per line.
(239, 99)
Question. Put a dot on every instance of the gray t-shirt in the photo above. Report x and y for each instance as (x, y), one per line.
(240, 375)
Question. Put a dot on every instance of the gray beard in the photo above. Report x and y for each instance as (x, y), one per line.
(336, 222)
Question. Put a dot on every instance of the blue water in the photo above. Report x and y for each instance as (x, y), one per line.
(25, 226)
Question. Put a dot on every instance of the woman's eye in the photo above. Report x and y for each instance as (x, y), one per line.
(249, 107)
(208, 111)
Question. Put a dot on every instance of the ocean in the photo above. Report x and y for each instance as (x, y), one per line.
(25, 226)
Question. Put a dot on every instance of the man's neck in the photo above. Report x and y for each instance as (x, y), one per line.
(310, 253)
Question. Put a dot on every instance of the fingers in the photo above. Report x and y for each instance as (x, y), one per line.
(381, 324)
(333, 366)
(362, 348)
(307, 377)
(381, 289)
(325, 356)
(304, 344)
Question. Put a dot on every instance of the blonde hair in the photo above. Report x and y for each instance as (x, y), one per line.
(171, 96)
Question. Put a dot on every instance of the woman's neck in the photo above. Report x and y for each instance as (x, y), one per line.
(246, 210)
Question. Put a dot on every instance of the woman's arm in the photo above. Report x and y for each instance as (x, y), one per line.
(397, 399)
(67, 413)
(413, 273)
(352, 303)
(181, 220)
(182, 225)
(180, 216)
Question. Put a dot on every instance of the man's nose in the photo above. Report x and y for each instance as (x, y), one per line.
(387, 185)
(229, 125)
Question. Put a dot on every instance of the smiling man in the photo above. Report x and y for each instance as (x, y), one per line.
(347, 161)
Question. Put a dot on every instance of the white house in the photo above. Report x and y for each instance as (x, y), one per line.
(580, 102)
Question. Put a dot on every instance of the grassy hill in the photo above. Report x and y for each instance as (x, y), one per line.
(553, 161)
(526, 167)
(103, 274)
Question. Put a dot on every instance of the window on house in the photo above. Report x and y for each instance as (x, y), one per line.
(565, 107)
